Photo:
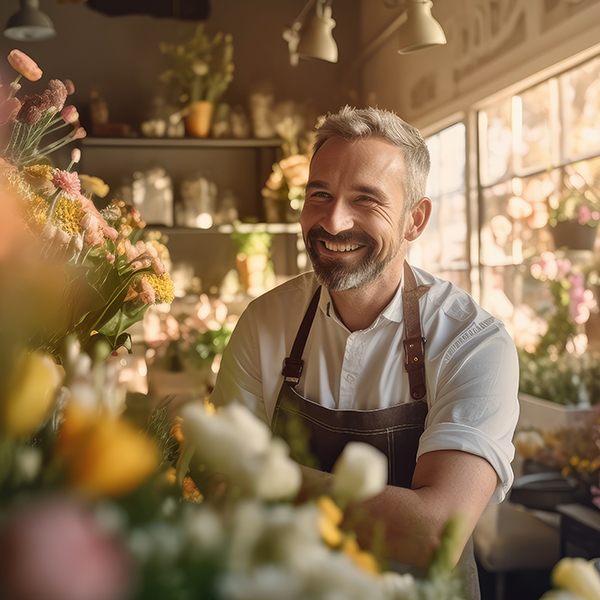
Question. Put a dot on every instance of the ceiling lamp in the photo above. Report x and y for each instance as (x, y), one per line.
(420, 30)
(29, 23)
(312, 40)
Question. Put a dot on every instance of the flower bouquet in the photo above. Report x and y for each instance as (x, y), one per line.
(557, 366)
(108, 275)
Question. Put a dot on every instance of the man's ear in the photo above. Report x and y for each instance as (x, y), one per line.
(417, 220)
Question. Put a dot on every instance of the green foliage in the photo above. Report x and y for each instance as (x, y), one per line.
(203, 67)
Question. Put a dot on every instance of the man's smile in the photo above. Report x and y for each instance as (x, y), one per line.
(340, 247)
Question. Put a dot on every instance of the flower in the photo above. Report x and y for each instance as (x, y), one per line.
(55, 549)
(69, 182)
(576, 200)
(24, 65)
(360, 472)
(579, 576)
(105, 455)
(30, 394)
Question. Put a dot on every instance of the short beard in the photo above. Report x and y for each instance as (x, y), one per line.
(339, 277)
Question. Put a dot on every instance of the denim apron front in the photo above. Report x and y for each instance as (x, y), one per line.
(318, 434)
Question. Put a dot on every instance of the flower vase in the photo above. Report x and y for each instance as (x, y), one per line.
(199, 118)
(573, 236)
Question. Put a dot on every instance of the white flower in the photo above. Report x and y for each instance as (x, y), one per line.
(400, 587)
(204, 529)
(240, 446)
(281, 477)
(360, 472)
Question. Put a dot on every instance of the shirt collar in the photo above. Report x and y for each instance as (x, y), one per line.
(392, 312)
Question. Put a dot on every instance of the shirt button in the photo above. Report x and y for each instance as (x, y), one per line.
(350, 378)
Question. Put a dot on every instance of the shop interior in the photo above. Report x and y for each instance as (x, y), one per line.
(507, 97)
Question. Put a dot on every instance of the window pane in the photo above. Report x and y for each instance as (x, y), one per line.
(514, 216)
(532, 129)
(580, 94)
(443, 245)
(495, 141)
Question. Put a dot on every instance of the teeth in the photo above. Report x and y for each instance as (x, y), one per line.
(340, 247)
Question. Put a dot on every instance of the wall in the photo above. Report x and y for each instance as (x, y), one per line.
(492, 44)
(120, 55)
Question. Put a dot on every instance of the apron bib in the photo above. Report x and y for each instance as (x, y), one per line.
(317, 434)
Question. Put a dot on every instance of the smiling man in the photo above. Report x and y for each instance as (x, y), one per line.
(368, 348)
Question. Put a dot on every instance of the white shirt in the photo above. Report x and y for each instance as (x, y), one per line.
(471, 366)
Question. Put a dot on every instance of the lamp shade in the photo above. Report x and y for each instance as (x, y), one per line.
(316, 40)
(420, 30)
(29, 24)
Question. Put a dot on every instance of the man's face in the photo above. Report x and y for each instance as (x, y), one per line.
(353, 217)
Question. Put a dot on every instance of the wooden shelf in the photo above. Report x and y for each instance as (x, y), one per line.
(144, 142)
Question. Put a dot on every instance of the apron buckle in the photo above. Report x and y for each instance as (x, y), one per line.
(414, 353)
(292, 369)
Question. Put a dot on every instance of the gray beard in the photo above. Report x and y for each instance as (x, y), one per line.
(338, 277)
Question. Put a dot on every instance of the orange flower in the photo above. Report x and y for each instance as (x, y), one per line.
(190, 491)
(24, 65)
(104, 455)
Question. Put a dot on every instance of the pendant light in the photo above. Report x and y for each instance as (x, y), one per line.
(29, 23)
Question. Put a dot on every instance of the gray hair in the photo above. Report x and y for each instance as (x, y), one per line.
(361, 123)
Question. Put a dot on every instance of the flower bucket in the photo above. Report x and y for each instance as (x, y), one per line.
(199, 118)
(573, 236)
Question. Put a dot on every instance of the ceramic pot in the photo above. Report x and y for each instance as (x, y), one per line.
(199, 118)
(573, 236)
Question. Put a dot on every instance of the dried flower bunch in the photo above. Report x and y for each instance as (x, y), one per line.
(203, 67)
(110, 275)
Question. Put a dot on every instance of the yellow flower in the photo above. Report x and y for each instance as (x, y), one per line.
(329, 520)
(68, 214)
(36, 212)
(365, 560)
(104, 455)
(579, 576)
(164, 290)
(94, 185)
(30, 393)
(39, 172)
(574, 461)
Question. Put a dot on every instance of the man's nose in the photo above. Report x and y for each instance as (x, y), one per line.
(337, 217)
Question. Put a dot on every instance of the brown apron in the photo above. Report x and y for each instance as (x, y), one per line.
(317, 434)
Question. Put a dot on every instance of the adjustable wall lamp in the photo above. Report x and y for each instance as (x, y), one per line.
(313, 39)
(420, 30)
(29, 23)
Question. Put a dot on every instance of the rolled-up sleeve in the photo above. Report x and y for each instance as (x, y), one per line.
(474, 404)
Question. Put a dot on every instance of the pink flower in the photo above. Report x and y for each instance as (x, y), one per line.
(88, 207)
(69, 87)
(78, 133)
(93, 235)
(147, 293)
(76, 157)
(24, 65)
(110, 258)
(69, 182)
(54, 549)
(584, 214)
(70, 114)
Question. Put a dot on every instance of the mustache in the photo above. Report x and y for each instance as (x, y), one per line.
(318, 234)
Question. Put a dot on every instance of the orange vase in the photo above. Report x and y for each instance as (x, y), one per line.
(199, 118)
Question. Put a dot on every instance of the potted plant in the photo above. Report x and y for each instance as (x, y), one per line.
(202, 71)
(574, 213)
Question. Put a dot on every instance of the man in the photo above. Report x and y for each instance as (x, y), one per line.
(368, 348)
